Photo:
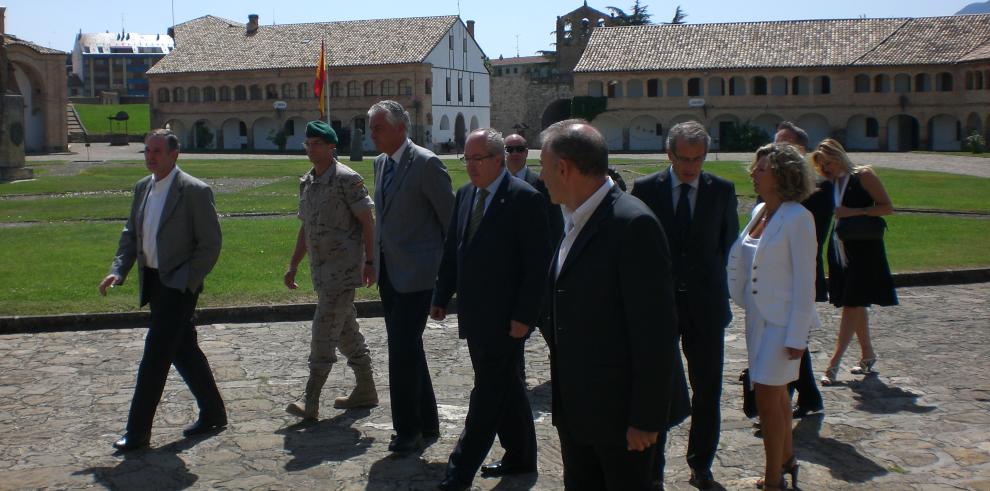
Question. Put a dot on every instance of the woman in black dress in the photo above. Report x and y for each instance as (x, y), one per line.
(859, 275)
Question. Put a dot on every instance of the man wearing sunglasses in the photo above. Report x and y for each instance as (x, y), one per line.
(516, 151)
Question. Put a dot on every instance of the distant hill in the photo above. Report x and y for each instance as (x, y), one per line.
(976, 8)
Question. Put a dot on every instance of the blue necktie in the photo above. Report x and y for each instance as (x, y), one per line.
(682, 217)
(389, 172)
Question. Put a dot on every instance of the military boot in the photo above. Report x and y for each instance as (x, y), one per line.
(364, 393)
(309, 407)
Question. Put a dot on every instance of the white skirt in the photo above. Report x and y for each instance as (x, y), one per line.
(768, 361)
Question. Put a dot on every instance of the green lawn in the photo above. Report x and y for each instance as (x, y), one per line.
(256, 251)
(94, 118)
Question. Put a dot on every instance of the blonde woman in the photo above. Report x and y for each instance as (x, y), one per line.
(771, 274)
(858, 273)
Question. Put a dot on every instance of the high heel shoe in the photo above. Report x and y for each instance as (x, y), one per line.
(865, 366)
(791, 467)
(830, 376)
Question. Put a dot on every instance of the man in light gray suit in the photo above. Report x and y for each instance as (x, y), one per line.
(173, 234)
(414, 200)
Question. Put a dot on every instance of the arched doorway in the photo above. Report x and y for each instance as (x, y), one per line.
(862, 133)
(29, 85)
(233, 134)
(474, 123)
(720, 128)
(903, 133)
(203, 136)
(557, 110)
(944, 133)
(460, 132)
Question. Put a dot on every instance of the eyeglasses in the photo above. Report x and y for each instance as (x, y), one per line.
(684, 160)
(515, 148)
(467, 160)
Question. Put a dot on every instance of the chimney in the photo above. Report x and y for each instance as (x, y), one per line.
(252, 25)
(3, 22)
(470, 28)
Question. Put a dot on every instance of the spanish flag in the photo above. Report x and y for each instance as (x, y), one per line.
(321, 79)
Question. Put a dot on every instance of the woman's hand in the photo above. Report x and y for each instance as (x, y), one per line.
(845, 212)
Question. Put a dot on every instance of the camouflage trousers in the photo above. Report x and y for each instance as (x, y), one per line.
(335, 327)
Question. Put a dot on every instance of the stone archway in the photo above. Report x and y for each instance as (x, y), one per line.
(29, 84)
(460, 132)
(944, 133)
(903, 133)
(35, 74)
(233, 134)
(557, 110)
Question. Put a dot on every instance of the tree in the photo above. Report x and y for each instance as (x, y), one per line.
(679, 16)
(637, 17)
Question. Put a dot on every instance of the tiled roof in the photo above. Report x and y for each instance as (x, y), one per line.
(211, 44)
(520, 60)
(11, 40)
(806, 43)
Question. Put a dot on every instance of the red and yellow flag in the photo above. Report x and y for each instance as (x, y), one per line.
(321, 79)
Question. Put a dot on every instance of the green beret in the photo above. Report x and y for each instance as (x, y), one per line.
(322, 130)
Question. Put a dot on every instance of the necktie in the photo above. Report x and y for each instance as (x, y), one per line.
(682, 217)
(477, 214)
(387, 175)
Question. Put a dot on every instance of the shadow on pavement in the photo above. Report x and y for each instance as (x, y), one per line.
(160, 466)
(843, 461)
(524, 481)
(409, 471)
(874, 396)
(540, 397)
(330, 440)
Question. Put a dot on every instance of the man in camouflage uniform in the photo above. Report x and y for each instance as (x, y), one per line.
(336, 231)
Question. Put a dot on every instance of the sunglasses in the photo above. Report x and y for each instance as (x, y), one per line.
(515, 148)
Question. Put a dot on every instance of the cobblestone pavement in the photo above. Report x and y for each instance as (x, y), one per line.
(954, 164)
(923, 423)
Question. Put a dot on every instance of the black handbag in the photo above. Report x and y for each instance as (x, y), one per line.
(861, 227)
(749, 397)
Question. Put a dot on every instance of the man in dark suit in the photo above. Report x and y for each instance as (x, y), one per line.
(698, 212)
(516, 151)
(495, 258)
(414, 201)
(821, 206)
(611, 318)
(173, 234)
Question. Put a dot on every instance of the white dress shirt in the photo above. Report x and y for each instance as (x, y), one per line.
(574, 220)
(153, 216)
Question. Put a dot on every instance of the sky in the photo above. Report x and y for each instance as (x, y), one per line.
(504, 27)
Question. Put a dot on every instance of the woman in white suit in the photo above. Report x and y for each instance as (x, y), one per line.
(771, 274)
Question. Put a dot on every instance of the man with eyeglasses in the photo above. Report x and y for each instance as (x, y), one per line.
(698, 214)
(516, 152)
(495, 259)
(336, 232)
(414, 199)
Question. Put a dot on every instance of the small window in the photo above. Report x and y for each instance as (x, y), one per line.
(759, 85)
(255, 92)
(694, 87)
(448, 89)
(290, 127)
(428, 86)
(450, 41)
(471, 89)
(653, 88)
(460, 90)
(240, 93)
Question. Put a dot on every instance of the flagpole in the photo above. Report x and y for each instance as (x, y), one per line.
(326, 84)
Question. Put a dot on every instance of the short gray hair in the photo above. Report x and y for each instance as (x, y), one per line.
(395, 114)
(493, 141)
(689, 132)
(171, 139)
(795, 179)
(578, 141)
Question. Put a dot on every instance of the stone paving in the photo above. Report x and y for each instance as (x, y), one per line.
(923, 423)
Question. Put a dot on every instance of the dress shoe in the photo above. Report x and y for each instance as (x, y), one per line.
(130, 442)
(432, 434)
(802, 411)
(498, 469)
(452, 484)
(702, 479)
(203, 426)
(403, 444)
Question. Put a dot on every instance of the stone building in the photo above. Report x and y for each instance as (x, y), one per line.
(37, 73)
(876, 84)
(530, 93)
(242, 86)
(116, 62)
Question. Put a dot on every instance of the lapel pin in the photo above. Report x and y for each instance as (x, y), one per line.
(502, 200)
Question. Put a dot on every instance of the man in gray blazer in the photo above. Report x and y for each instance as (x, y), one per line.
(173, 234)
(415, 200)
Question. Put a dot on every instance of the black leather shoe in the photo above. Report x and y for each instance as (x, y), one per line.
(452, 484)
(130, 442)
(801, 411)
(432, 434)
(203, 426)
(403, 444)
(702, 479)
(498, 469)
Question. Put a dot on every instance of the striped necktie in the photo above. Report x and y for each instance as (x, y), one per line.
(477, 215)
(389, 172)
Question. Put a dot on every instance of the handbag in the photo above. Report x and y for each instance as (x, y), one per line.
(861, 227)
(749, 396)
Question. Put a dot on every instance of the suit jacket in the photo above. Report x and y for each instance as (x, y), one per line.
(699, 262)
(498, 276)
(783, 272)
(554, 212)
(189, 235)
(413, 218)
(613, 325)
